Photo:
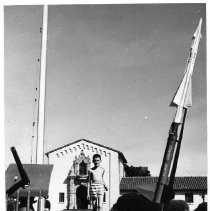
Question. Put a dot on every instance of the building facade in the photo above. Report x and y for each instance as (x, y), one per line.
(68, 184)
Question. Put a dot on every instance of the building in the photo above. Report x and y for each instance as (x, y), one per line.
(191, 189)
(68, 184)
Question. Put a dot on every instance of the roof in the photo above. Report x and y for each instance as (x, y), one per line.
(198, 183)
(121, 156)
(39, 175)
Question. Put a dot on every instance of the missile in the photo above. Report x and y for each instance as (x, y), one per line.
(182, 100)
(183, 96)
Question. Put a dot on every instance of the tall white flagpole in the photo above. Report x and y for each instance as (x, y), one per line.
(41, 110)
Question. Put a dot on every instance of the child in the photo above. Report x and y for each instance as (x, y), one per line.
(96, 184)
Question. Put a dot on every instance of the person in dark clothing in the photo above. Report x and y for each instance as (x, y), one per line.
(23, 204)
(47, 205)
(178, 205)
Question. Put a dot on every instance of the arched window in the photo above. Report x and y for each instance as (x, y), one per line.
(83, 168)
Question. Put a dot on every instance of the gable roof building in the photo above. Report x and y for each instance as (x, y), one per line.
(68, 185)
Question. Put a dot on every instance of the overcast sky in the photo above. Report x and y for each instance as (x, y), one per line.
(112, 71)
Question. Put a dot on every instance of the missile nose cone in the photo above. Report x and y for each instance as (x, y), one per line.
(198, 30)
(200, 22)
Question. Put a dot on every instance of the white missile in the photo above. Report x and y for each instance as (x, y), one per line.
(183, 96)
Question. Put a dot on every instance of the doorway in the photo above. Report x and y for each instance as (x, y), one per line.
(81, 194)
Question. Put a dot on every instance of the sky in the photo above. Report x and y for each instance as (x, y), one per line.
(112, 71)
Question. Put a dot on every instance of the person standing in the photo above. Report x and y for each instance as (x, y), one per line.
(96, 184)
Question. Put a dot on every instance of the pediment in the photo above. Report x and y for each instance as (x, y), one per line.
(81, 158)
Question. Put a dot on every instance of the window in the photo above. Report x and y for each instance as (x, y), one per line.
(83, 168)
(104, 199)
(61, 197)
(189, 197)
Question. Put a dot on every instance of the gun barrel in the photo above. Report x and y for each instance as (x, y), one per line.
(22, 171)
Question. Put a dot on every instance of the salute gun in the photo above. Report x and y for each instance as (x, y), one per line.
(25, 181)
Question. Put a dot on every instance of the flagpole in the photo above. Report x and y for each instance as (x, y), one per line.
(42, 89)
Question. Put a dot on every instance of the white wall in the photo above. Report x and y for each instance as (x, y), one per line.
(114, 178)
(197, 200)
(122, 170)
